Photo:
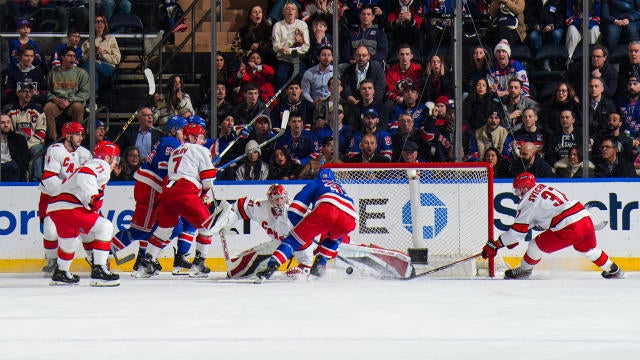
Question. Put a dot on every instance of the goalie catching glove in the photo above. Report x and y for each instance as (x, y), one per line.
(226, 218)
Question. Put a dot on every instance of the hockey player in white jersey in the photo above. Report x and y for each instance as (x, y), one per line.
(75, 210)
(271, 214)
(62, 159)
(565, 222)
(188, 190)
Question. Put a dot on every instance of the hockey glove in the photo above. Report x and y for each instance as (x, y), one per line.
(207, 196)
(226, 218)
(490, 249)
(96, 201)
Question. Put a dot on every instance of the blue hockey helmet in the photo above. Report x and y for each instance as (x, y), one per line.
(326, 174)
(195, 119)
(176, 122)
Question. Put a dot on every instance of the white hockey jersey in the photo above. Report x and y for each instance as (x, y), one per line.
(83, 186)
(277, 227)
(192, 162)
(59, 164)
(546, 208)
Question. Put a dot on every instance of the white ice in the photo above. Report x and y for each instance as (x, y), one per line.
(557, 315)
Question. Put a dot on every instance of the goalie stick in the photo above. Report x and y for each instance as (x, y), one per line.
(281, 131)
(225, 251)
(444, 267)
(296, 69)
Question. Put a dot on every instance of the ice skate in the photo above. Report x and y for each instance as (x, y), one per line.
(518, 273)
(145, 268)
(50, 267)
(266, 273)
(299, 272)
(317, 269)
(198, 267)
(614, 273)
(61, 278)
(102, 276)
(181, 265)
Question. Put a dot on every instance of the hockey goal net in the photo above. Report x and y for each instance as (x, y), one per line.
(451, 203)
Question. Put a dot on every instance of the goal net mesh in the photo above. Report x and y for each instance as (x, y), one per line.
(442, 207)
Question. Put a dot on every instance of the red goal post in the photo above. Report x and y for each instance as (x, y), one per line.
(452, 203)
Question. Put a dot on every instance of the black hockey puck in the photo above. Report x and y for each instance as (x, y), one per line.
(349, 270)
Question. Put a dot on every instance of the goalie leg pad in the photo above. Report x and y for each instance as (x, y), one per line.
(388, 262)
(252, 260)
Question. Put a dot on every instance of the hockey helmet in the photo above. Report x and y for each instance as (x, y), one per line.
(104, 148)
(278, 198)
(193, 129)
(524, 180)
(326, 174)
(176, 122)
(195, 119)
(71, 127)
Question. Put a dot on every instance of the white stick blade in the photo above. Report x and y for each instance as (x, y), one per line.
(285, 119)
(148, 74)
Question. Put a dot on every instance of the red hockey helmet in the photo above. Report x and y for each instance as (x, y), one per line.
(193, 129)
(72, 127)
(104, 148)
(278, 198)
(524, 180)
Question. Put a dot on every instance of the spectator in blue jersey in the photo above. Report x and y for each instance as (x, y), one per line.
(370, 125)
(504, 69)
(367, 34)
(529, 132)
(410, 105)
(437, 130)
(573, 22)
(326, 157)
(23, 28)
(492, 134)
(322, 129)
(368, 151)
(25, 72)
(301, 143)
(73, 40)
(531, 161)
(618, 17)
(629, 108)
(294, 101)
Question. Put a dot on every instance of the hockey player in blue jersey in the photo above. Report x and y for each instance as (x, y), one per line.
(149, 180)
(333, 217)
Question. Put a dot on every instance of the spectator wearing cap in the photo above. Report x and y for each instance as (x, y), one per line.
(438, 80)
(302, 144)
(73, 40)
(100, 134)
(363, 68)
(628, 108)
(68, 92)
(504, 69)
(492, 134)
(370, 125)
(408, 132)
(315, 79)
(28, 119)
(409, 105)
(25, 73)
(14, 152)
(294, 101)
(515, 103)
(405, 71)
(23, 27)
(252, 168)
(410, 153)
(368, 153)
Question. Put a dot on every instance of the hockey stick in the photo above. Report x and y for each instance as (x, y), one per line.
(443, 267)
(283, 128)
(120, 261)
(296, 69)
(225, 250)
(599, 222)
(151, 85)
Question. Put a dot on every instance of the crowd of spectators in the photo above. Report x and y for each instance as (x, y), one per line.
(396, 90)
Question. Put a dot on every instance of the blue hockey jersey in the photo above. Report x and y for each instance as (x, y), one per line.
(154, 171)
(316, 192)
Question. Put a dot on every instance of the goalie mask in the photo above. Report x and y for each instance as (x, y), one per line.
(278, 199)
(523, 183)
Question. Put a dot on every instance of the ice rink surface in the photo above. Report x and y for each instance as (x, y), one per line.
(556, 315)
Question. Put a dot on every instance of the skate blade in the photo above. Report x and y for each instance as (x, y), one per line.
(62, 283)
(104, 283)
(180, 271)
(198, 275)
(141, 275)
